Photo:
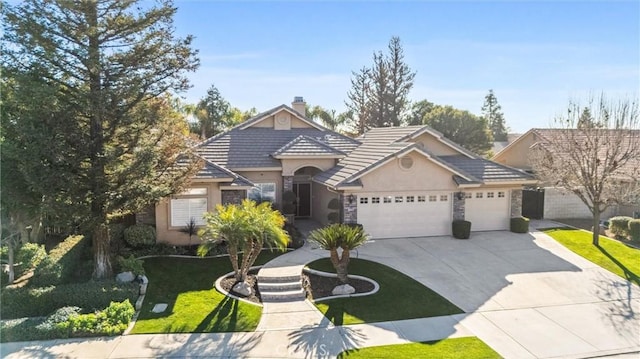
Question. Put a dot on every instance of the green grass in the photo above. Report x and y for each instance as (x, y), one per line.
(468, 348)
(194, 305)
(610, 255)
(400, 297)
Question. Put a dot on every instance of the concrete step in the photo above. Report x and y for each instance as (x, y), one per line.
(283, 296)
(279, 279)
(279, 286)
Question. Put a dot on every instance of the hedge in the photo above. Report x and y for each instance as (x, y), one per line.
(461, 229)
(519, 225)
(634, 230)
(620, 225)
(140, 235)
(59, 266)
(38, 302)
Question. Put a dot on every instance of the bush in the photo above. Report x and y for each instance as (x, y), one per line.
(90, 296)
(61, 262)
(140, 235)
(619, 226)
(30, 255)
(461, 229)
(22, 329)
(131, 264)
(297, 239)
(116, 237)
(634, 230)
(333, 217)
(519, 225)
(113, 320)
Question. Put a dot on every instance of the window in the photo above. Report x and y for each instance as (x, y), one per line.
(468, 195)
(194, 192)
(489, 194)
(263, 192)
(387, 199)
(375, 199)
(500, 194)
(183, 209)
(433, 198)
(478, 194)
(399, 199)
(422, 198)
(364, 200)
(444, 197)
(410, 199)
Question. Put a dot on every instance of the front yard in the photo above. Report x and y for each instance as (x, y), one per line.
(469, 348)
(194, 305)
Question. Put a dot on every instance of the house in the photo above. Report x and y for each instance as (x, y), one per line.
(396, 181)
(551, 202)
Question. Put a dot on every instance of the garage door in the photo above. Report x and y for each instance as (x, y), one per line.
(487, 210)
(406, 214)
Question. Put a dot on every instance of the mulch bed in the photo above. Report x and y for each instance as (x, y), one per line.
(228, 282)
(319, 287)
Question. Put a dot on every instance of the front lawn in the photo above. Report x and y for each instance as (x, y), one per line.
(610, 255)
(468, 348)
(400, 297)
(194, 305)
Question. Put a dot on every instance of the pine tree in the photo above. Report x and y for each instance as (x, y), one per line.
(379, 110)
(586, 119)
(491, 112)
(359, 100)
(213, 113)
(90, 110)
(400, 82)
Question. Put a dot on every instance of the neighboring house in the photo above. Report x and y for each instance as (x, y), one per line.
(549, 202)
(396, 181)
(499, 145)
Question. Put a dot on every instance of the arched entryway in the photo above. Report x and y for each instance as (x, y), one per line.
(303, 189)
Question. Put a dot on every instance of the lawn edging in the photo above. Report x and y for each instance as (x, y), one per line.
(221, 290)
(376, 286)
(144, 282)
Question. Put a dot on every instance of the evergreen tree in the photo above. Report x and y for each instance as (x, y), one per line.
(462, 127)
(379, 112)
(418, 111)
(491, 112)
(213, 113)
(90, 124)
(359, 100)
(586, 119)
(400, 82)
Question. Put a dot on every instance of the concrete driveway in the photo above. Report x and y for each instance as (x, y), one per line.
(525, 295)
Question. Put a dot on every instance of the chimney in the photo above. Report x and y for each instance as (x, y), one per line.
(299, 105)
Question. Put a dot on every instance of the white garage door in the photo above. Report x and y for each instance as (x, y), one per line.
(405, 214)
(487, 210)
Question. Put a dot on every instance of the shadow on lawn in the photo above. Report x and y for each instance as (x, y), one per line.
(223, 318)
(324, 341)
(628, 274)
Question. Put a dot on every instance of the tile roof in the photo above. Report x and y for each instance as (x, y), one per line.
(252, 147)
(210, 170)
(307, 146)
(484, 170)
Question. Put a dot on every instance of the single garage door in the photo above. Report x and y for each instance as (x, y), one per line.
(487, 210)
(405, 214)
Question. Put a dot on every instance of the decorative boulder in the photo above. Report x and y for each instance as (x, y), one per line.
(125, 277)
(343, 290)
(243, 288)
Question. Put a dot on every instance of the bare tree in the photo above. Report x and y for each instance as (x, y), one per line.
(601, 163)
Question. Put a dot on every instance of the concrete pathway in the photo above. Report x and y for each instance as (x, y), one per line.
(524, 295)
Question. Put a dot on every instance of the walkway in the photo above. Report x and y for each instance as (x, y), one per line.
(525, 295)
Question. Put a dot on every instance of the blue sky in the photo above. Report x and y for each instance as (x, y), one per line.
(536, 56)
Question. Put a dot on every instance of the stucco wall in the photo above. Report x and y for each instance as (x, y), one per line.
(424, 174)
(293, 122)
(434, 145)
(518, 154)
(172, 235)
(320, 197)
(289, 166)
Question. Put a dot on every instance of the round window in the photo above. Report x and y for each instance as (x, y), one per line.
(406, 162)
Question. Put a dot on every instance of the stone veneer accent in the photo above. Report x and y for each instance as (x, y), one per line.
(458, 207)
(349, 210)
(146, 216)
(287, 183)
(233, 196)
(516, 203)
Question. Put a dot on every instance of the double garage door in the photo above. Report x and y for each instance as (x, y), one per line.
(405, 214)
(419, 214)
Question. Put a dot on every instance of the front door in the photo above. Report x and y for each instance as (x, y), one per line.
(303, 202)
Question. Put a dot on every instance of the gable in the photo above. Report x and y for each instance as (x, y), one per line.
(281, 118)
(516, 154)
(423, 174)
(432, 144)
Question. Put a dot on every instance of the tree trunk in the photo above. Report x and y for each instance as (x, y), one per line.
(342, 268)
(233, 257)
(596, 226)
(12, 271)
(102, 252)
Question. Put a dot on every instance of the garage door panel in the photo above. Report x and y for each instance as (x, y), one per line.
(487, 210)
(408, 214)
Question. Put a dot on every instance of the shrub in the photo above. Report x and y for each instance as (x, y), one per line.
(634, 230)
(619, 226)
(61, 262)
(116, 236)
(461, 229)
(140, 235)
(30, 255)
(333, 217)
(90, 296)
(131, 264)
(519, 225)
(113, 320)
(15, 330)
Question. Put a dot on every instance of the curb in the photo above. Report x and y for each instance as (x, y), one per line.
(376, 286)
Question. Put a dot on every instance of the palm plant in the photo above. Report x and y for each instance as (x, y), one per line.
(341, 236)
(248, 227)
(190, 228)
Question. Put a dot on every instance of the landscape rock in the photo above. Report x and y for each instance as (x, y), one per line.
(125, 277)
(243, 288)
(343, 289)
(159, 308)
